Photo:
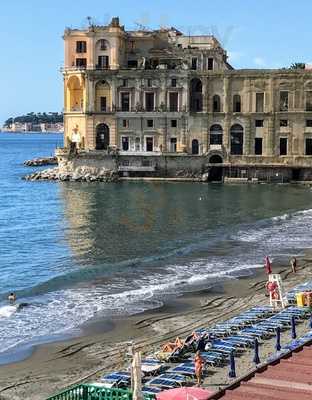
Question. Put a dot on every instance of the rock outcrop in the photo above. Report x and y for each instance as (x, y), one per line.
(38, 162)
(82, 174)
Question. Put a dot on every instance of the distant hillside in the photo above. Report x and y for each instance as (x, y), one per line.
(39, 118)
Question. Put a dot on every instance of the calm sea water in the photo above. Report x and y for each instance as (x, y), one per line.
(73, 251)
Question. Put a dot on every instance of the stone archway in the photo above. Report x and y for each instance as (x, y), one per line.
(102, 137)
(215, 171)
(195, 147)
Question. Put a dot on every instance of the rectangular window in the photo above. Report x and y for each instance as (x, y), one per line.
(308, 105)
(149, 82)
(283, 100)
(259, 102)
(173, 83)
(81, 62)
(103, 103)
(258, 146)
(132, 64)
(174, 123)
(125, 143)
(149, 144)
(81, 47)
(308, 147)
(150, 123)
(125, 101)
(137, 144)
(103, 62)
(210, 64)
(259, 123)
(149, 101)
(173, 145)
(283, 146)
(124, 82)
(283, 123)
(309, 123)
(146, 163)
(194, 63)
(173, 101)
(125, 123)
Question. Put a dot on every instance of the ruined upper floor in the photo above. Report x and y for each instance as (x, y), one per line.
(112, 47)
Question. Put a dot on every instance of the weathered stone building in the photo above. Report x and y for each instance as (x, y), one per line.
(165, 104)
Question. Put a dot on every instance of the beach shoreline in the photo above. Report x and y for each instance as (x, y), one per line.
(104, 344)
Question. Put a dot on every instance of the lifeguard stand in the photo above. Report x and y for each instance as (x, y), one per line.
(280, 300)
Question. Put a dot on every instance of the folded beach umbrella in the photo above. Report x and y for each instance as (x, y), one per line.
(184, 393)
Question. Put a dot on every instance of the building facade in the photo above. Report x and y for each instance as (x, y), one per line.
(160, 94)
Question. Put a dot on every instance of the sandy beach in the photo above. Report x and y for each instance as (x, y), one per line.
(104, 345)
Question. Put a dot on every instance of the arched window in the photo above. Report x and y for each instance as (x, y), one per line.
(195, 146)
(103, 45)
(102, 97)
(216, 103)
(102, 137)
(216, 134)
(237, 139)
(196, 96)
(74, 100)
(237, 106)
(215, 159)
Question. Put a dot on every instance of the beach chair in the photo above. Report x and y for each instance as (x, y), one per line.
(181, 379)
(116, 379)
(151, 390)
(163, 383)
(256, 333)
(187, 369)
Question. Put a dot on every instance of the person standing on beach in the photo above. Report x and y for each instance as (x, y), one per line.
(293, 263)
(199, 365)
(268, 265)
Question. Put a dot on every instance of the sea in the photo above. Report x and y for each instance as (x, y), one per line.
(73, 252)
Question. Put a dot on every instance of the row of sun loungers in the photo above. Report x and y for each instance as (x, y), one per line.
(233, 336)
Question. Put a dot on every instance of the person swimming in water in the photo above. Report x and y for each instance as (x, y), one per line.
(12, 298)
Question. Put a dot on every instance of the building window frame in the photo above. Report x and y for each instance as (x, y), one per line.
(258, 146)
(81, 46)
(174, 123)
(121, 94)
(260, 102)
(150, 123)
(283, 146)
(308, 146)
(284, 100)
(172, 104)
(259, 123)
(125, 143)
(146, 107)
(173, 144)
(210, 64)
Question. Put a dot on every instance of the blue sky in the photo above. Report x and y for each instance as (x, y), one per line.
(266, 33)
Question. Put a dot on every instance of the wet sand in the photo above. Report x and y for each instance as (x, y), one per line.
(104, 345)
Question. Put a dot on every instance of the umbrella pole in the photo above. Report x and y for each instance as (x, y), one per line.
(256, 358)
(278, 339)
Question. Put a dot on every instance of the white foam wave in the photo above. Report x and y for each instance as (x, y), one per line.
(7, 311)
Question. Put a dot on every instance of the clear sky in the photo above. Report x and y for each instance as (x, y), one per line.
(256, 33)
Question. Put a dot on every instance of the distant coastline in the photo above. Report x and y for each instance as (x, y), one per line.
(32, 132)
